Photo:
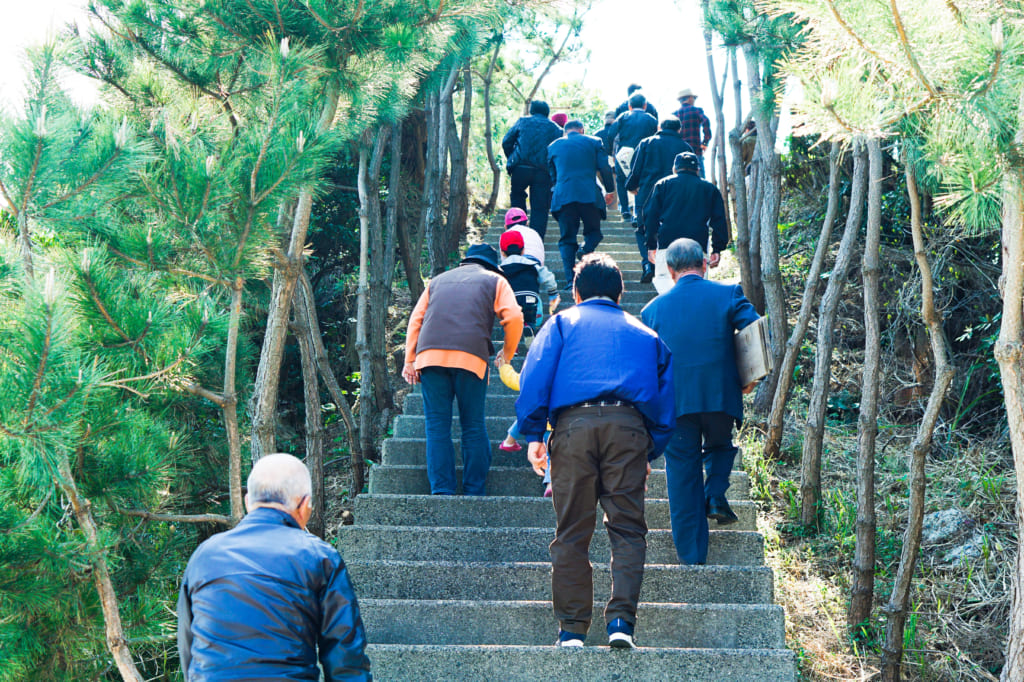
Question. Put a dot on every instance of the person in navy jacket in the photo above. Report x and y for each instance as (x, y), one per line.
(574, 161)
(697, 319)
(604, 382)
(267, 599)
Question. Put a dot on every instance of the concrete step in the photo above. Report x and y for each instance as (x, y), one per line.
(496, 512)
(515, 481)
(413, 543)
(531, 581)
(597, 664)
(531, 623)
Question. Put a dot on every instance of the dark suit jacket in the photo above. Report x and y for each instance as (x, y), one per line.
(696, 319)
(573, 162)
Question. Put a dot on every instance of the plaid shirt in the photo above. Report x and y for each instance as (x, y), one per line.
(693, 122)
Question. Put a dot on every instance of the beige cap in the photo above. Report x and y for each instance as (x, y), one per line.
(683, 94)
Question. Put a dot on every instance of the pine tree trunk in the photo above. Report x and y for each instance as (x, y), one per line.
(458, 151)
(263, 404)
(305, 310)
(492, 200)
(776, 419)
(314, 421)
(742, 222)
(1009, 352)
(117, 643)
(718, 144)
(754, 221)
(437, 233)
(431, 176)
(229, 407)
(371, 158)
(899, 600)
(814, 430)
(410, 233)
(862, 591)
(771, 184)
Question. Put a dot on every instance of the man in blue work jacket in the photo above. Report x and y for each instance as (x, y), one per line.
(604, 382)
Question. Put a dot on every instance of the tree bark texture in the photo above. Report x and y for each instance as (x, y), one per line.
(754, 194)
(718, 143)
(305, 310)
(1009, 352)
(410, 232)
(862, 589)
(117, 643)
(738, 181)
(458, 152)
(371, 158)
(899, 600)
(263, 404)
(776, 419)
(771, 189)
(488, 78)
(230, 405)
(314, 421)
(814, 430)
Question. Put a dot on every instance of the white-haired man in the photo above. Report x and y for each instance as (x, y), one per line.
(266, 599)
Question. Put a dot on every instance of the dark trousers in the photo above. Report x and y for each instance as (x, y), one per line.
(640, 233)
(537, 183)
(598, 454)
(702, 438)
(620, 189)
(442, 385)
(569, 218)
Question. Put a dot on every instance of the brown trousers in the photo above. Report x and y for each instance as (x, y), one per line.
(598, 454)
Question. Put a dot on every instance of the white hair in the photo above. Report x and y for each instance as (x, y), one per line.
(279, 478)
(684, 254)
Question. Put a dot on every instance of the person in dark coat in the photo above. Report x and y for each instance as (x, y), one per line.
(624, 107)
(573, 162)
(266, 599)
(697, 319)
(683, 205)
(652, 161)
(629, 128)
(526, 153)
(608, 139)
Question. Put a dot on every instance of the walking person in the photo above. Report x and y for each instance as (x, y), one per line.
(533, 244)
(629, 128)
(630, 91)
(573, 162)
(606, 136)
(604, 382)
(697, 318)
(696, 126)
(447, 347)
(526, 147)
(267, 600)
(683, 205)
(652, 161)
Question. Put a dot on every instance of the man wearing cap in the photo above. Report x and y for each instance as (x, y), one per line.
(527, 277)
(525, 146)
(533, 245)
(447, 347)
(696, 127)
(629, 128)
(683, 205)
(604, 382)
(573, 162)
(652, 161)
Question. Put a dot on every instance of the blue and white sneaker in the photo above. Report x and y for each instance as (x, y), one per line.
(620, 634)
(569, 639)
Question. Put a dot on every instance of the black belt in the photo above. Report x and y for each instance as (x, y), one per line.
(602, 403)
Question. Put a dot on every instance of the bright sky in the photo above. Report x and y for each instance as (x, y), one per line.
(656, 43)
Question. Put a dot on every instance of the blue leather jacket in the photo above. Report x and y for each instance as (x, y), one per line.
(261, 601)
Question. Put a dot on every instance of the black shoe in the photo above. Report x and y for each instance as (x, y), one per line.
(718, 508)
(648, 274)
(627, 216)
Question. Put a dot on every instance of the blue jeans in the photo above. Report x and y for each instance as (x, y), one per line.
(440, 386)
(702, 438)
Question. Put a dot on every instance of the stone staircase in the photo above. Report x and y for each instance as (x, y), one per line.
(458, 588)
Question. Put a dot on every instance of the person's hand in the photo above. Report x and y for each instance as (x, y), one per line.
(634, 191)
(609, 197)
(714, 259)
(553, 304)
(537, 454)
(749, 388)
(648, 476)
(652, 255)
(410, 373)
(499, 359)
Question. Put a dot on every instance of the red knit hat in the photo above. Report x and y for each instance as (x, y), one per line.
(561, 118)
(511, 238)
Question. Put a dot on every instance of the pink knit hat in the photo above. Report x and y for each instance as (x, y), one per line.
(515, 216)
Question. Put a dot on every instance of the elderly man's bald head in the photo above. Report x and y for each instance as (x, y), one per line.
(278, 479)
